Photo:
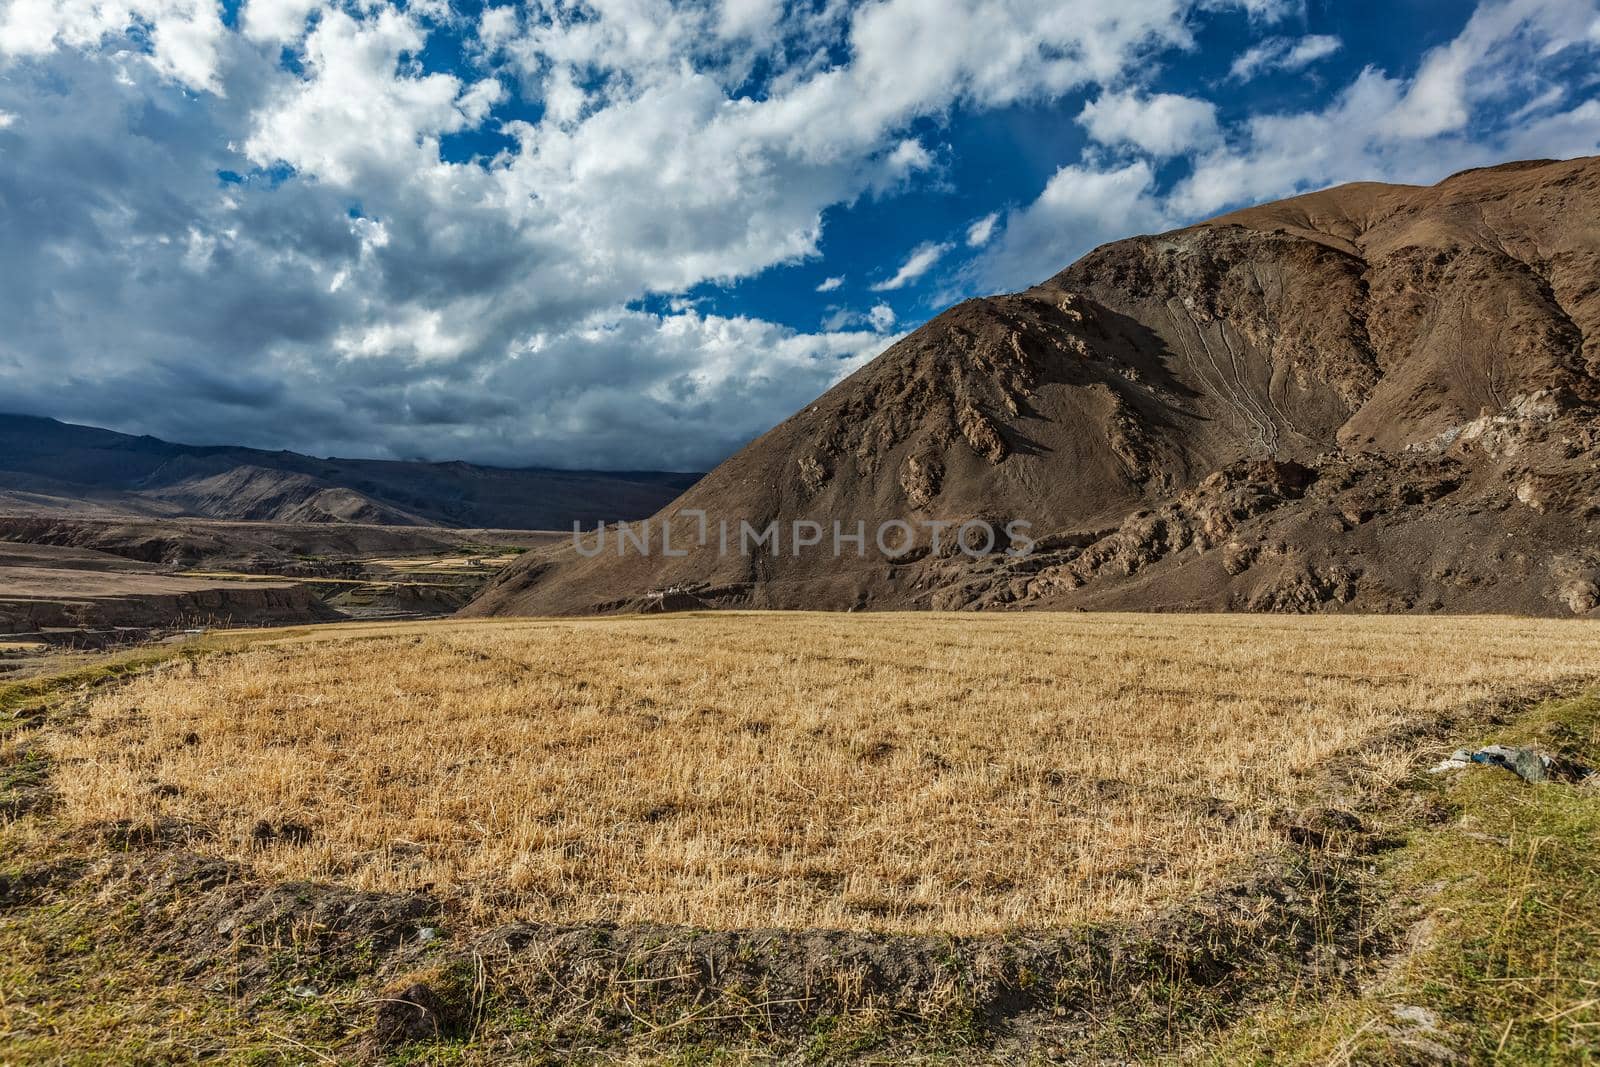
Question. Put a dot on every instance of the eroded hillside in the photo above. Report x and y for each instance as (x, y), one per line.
(1375, 398)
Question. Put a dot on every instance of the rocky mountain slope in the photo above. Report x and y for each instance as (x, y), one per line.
(1371, 398)
(49, 467)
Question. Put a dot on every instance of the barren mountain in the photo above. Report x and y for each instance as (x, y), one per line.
(1371, 398)
(53, 468)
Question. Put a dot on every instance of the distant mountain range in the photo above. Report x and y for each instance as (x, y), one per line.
(55, 468)
(1372, 398)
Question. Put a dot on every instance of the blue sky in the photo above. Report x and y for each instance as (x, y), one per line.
(637, 233)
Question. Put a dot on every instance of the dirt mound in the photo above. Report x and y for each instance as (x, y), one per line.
(424, 974)
(1371, 398)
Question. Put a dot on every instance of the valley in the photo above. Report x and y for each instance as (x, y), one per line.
(800, 533)
(1258, 727)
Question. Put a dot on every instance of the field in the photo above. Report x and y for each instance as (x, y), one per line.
(913, 773)
(73, 588)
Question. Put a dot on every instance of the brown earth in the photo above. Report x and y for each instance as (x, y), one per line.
(44, 588)
(1371, 398)
(300, 549)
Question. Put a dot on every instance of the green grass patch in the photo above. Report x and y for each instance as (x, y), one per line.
(35, 694)
(1502, 956)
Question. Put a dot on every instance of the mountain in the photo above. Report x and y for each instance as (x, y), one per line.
(50, 467)
(1371, 398)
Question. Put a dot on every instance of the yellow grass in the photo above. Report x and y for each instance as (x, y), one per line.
(908, 772)
(447, 563)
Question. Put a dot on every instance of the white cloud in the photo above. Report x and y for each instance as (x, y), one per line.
(1267, 11)
(7, 119)
(828, 285)
(880, 318)
(276, 21)
(184, 35)
(483, 307)
(1162, 125)
(979, 232)
(653, 374)
(1284, 53)
(1384, 128)
(1543, 102)
(1309, 49)
(417, 336)
(908, 158)
(841, 318)
(1080, 207)
(749, 18)
(921, 260)
(496, 26)
(358, 111)
(1560, 136)
(1476, 64)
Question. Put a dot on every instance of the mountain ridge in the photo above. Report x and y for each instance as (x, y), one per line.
(53, 467)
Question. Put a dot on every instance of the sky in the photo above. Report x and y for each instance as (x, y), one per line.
(639, 233)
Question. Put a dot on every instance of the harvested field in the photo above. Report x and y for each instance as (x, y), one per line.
(908, 773)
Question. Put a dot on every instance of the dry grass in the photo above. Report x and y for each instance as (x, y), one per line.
(911, 772)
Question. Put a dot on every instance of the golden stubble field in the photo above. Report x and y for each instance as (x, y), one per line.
(900, 772)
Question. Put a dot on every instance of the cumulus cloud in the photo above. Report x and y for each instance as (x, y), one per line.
(276, 21)
(1283, 53)
(828, 285)
(1164, 124)
(306, 231)
(184, 35)
(749, 18)
(222, 245)
(359, 111)
(497, 26)
(922, 259)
